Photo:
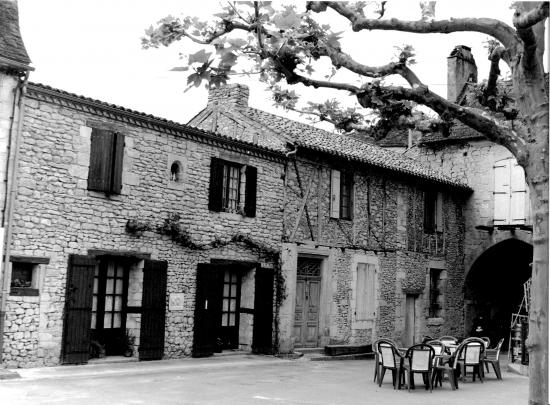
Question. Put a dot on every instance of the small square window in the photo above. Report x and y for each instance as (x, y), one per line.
(21, 274)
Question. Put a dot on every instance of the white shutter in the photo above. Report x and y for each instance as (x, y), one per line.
(365, 292)
(439, 213)
(335, 194)
(518, 190)
(502, 192)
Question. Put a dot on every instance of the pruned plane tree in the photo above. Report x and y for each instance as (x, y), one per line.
(286, 45)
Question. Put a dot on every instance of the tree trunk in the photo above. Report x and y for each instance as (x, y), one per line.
(537, 343)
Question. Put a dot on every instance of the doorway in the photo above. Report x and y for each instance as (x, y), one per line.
(410, 319)
(110, 292)
(228, 328)
(306, 315)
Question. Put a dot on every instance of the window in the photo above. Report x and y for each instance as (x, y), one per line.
(511, 193)
(365, 292)
(433, 212)
(436, 294)
(106, 154)
(24, 274)
(232, 187)
(175, 172)
(341, 194)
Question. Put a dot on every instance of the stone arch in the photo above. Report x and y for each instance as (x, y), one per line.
(493, 287)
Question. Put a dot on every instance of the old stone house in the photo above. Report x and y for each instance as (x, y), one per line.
(498, 225)
(372, 241)
(241, 230)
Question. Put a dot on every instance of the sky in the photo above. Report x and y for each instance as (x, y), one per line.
(93, 48)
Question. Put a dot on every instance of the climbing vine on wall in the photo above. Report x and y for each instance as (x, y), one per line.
(172, 227)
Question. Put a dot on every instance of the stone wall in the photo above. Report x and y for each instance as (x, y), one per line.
(21, 346)
(57, 216)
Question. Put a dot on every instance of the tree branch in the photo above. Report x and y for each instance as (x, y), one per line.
(341, 59)
(479, 120)
(494, 72)
(495, 28)
(531, 17)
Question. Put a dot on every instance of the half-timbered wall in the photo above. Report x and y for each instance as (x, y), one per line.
(387, 232)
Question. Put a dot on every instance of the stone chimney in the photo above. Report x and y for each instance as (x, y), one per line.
(461, 69)
(230, 96)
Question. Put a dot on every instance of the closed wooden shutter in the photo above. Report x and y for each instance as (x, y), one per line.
(335, 194)
(365, 291)
(502, 192)
(250, 191)
(439, 213)
(216, 185)
(153, 310)
(518, 193)
(78, 309)
(207, 310)
(118, 157)
(101, 151)
(262, 337)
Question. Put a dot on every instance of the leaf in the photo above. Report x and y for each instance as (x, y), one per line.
(333, 39)
(200, 57)
(228, 59)
(192, 78)
(287, 19)
(237, 42)
(179, 69)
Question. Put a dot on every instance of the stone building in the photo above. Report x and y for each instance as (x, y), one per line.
(498, 225)
(242, 230)
(372, 241)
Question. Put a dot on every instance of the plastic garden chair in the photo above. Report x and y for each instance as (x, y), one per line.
(492, 357)
(392, 360)
(419, 359)
(377, 357)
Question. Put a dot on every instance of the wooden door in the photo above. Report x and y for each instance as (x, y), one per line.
(306, 316)
(153, 310)
(262, 335)
(78, 309)
(207, 310)
(410, 320)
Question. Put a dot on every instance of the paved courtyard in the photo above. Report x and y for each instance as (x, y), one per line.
(241, 379)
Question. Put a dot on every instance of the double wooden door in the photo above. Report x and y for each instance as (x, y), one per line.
(306, 315)
(95, 306)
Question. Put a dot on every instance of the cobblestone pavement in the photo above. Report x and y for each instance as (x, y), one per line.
(242, 379)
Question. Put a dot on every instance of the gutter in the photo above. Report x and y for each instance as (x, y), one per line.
(5, 274)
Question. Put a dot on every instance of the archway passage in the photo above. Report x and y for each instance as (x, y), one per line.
(494, 288)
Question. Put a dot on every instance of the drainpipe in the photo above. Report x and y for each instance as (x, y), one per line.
(11, 188)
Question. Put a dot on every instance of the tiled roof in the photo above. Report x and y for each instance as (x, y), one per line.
(37, 90)
(308, 137)
(11, 44)
(458, 132)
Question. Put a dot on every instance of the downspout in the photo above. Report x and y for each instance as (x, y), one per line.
(11, 188)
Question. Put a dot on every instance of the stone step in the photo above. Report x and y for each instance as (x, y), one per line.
(357, 356)
(310, 350)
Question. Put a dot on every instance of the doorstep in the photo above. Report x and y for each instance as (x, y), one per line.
(112, 359)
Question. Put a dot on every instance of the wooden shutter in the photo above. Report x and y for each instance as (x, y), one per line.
(78, 309)
(99, 174)
(518, 192)
(262, 335)
(335, 194)
(502, 192)
(208, 300)
(439, 213)
(365, 292)
(153, 310)
(216, 185)
(250, 191)
(118, 156)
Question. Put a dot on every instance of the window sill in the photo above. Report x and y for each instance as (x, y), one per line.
(436, 321)
(24, 291)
